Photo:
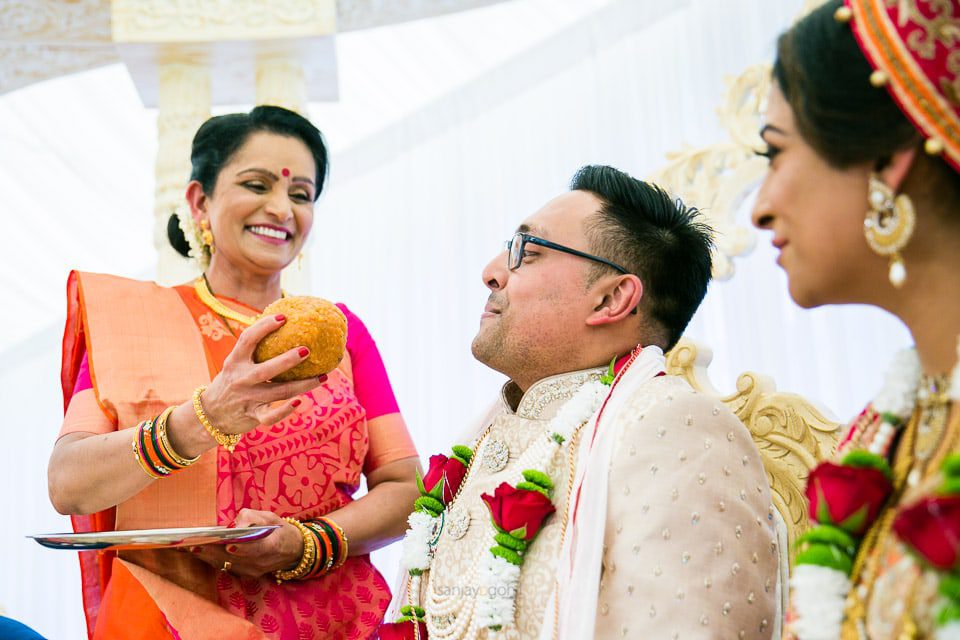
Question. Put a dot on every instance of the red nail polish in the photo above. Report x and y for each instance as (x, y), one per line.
(323, 378)
(279, 317)
(194, 549)
(296, 403)
(303, 351)
(232, 548)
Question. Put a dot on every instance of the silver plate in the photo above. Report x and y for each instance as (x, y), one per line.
(152, 538)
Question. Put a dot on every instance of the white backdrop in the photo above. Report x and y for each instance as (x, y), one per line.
(448, 133)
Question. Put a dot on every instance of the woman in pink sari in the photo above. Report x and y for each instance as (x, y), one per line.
(156, 378)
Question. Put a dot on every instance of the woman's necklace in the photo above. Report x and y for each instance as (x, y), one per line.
(202, 287)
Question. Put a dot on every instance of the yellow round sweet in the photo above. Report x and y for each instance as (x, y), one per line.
(314, 323)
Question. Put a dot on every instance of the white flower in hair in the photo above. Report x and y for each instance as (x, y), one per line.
(192, 235)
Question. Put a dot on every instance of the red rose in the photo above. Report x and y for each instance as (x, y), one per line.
(518, 511)
(448, 471)
(402, 631)
(932, 528)
(847, 497)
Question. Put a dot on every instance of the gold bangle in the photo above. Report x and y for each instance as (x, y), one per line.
(307, 560)
(228, 441)
(161, 427)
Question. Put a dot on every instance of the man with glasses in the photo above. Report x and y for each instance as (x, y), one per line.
(663, 525)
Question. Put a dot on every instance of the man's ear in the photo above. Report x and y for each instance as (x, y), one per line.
(197, 200)
(616, 300)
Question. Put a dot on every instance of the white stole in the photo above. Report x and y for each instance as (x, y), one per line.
(577, 586)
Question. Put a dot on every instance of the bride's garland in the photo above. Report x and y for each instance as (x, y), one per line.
(517, 511)
(845, 500)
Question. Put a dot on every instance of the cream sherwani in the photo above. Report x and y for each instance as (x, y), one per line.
(689, 543)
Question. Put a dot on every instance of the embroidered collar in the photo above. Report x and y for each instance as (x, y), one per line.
(545, 397)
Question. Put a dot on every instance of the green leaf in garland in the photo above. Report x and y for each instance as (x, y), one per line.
(520, 534)
(950, 486)
(825, 555)
(509, 555)
(861, 459)
(827, 534)
(495, 627)
(508, 541)
(529, 486)
(416, 572)
(411, 610)
(949, 612)
(609, 376)
(891, 418)
(855, 521)
(465, 454)
(429, 504)
(559, 439)
(422, 489)
(950, 586)
(538, 478)
(951, 466)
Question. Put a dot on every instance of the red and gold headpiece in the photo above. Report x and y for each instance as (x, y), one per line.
(914, 47)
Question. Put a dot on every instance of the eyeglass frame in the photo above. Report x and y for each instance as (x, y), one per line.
(528, 238)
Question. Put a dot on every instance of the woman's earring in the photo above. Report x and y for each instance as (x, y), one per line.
(888, 226)
(206, 236)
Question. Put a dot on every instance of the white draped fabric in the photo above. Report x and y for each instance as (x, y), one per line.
(450, 131)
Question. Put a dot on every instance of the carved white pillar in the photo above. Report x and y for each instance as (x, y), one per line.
(184, 104)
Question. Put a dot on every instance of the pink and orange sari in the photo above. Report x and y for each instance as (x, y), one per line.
(132, 348)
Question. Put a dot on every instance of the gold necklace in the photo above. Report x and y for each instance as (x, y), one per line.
(206, 297)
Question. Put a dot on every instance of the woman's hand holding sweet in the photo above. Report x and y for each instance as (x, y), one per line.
(241, 397)
(281, 549)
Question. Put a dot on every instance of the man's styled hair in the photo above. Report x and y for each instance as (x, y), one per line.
(657, 238)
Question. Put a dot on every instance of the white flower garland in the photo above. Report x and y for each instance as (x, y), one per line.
(499, 580)
(949, 631)
(417, 552)
(818, 594)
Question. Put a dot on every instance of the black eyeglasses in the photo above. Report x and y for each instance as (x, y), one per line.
(518, 242)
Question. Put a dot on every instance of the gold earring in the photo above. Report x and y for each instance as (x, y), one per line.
(300, 261)
(206, 236)
(888, 226)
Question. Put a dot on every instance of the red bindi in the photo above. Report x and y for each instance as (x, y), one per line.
(285, 172)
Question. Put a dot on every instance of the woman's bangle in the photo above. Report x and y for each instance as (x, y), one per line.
(153, 451)
(163, 443)
(340, 540)
(150, 465)
(308, 560)
(227, 440)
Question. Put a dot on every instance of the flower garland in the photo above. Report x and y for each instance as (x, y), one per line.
(846, 499)
(931, 529)
(517, 511)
